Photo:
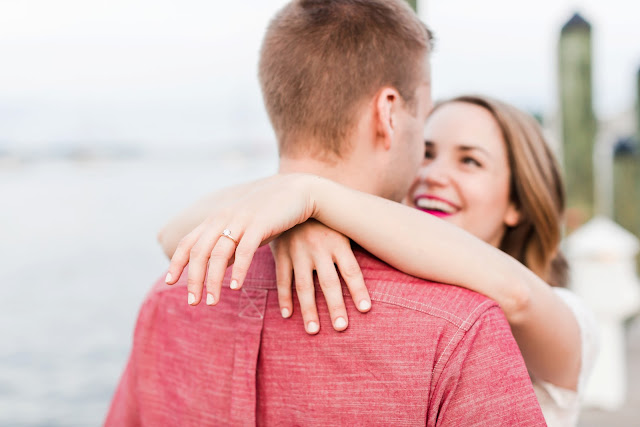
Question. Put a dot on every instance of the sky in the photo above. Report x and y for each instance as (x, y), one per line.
(169, 73)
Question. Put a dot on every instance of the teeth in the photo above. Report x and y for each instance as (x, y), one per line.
(435, 205)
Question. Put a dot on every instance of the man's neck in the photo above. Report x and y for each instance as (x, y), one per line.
(341, 171)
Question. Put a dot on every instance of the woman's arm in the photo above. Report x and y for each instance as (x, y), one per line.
(182, 224)
(428, 247)
(410, 240)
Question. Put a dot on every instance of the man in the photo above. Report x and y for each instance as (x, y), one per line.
(346, 84)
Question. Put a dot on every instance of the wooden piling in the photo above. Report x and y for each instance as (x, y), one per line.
(626, 172)
(638, 106)
(577, 117)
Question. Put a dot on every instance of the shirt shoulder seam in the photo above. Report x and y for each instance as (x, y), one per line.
(429, 309)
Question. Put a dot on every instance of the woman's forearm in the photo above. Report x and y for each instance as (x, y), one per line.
(428, 247)
(183, 223)
(417, 243)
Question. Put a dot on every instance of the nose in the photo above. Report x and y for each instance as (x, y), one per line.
(435, 174)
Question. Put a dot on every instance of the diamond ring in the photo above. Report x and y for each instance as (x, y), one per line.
(227, 233)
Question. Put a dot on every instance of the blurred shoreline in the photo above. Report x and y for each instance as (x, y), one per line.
(85, 153)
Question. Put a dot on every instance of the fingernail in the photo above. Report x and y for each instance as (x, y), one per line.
(233, 284)
(364, 305)
(191, 299)
(285, 313)
(340, 323)
(210, 299)
(168, 278)
(312, 327)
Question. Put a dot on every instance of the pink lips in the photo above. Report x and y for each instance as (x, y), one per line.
(436, 213)
(439, 214)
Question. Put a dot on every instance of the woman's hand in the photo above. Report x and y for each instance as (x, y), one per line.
(314, 246)
(275, 205)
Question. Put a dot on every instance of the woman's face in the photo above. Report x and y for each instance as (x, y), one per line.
(464, 178)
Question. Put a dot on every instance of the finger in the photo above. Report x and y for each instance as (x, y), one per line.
(283, 281)
(303, 274)
(213, 292)
(352, 275)
(247, 247)
(198, 260)
(223, 251)
(332, 290)
(180, 257)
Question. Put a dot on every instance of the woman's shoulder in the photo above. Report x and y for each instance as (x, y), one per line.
(588, 324)
(589, 333)
(561, 406)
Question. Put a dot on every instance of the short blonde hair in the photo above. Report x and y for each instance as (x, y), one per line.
(320, 59)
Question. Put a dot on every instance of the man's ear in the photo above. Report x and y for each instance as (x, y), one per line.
(386, 103)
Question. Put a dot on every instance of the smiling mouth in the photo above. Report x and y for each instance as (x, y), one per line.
(435, 207)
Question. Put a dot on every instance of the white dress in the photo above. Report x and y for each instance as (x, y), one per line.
(560, 406)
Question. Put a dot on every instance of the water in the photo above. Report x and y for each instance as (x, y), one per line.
(77, 254)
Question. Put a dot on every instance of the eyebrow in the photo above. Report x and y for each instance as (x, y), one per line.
(474, 148)
(462, 147)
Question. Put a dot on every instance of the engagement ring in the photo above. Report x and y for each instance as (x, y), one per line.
(227, 233)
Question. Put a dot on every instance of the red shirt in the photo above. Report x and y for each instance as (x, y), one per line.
(426, 353)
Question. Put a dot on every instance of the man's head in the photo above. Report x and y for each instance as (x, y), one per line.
(332, 71)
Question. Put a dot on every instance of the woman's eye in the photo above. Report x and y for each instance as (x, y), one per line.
(428, 154)
(471, 161)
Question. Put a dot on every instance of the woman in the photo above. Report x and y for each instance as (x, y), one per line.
(494, 178)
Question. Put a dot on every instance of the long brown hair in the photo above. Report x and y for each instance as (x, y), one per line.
(536, 189)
